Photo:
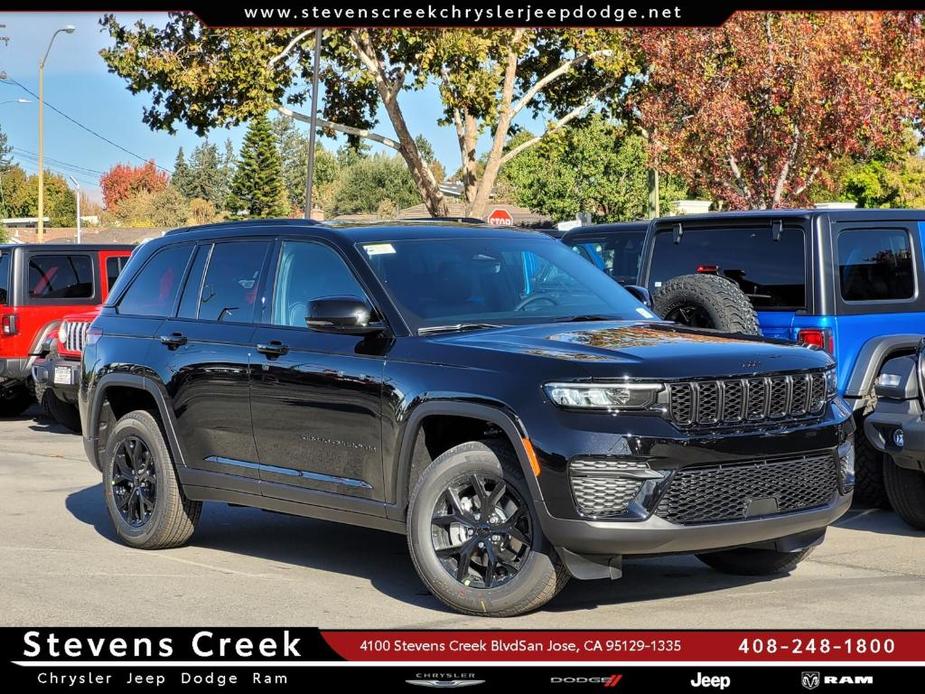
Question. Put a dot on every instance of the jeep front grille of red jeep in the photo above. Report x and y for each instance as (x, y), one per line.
(75, 337)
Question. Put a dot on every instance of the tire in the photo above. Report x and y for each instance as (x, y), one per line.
(754, 562)
(869, 487)
(540, 574)
(170, 518)
(906, 491)
(706, 301)
(15, 400)
(62, 412)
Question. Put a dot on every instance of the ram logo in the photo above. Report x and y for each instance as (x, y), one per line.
(809, 680)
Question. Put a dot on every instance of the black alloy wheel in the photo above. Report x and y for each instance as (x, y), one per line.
(481, 531)
(134, 481)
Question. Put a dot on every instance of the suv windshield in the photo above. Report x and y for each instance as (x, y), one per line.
(4, 276)
(502, 281)
(616, 254)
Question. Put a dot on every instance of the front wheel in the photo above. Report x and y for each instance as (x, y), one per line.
(474, 537)
(64, 413)
(906, 490)
(143, 496)
(746, 561)
(15, 400)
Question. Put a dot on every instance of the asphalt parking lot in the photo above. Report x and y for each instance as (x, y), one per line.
(60, 565)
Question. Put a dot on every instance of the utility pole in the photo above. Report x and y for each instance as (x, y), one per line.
(40, 235)
(314, 126)
(77, 195)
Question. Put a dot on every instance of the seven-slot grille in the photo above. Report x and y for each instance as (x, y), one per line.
(746, 400)
(726, 492)
(75, 335)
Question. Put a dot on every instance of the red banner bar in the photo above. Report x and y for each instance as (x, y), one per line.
(629, 646)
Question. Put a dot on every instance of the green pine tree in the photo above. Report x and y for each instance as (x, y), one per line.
(257, 189)
(181, 174)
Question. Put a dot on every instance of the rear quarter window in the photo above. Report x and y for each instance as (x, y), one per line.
(772, 273)
(60, 276)
(4, 276)
(875, 265)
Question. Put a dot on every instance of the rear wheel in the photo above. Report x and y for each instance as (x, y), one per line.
(62, 412)
(746, 561)
(14, 400)
(143, 496)
(906, 491)
(474, 537)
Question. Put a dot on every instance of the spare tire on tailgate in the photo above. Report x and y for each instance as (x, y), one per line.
(706, 301)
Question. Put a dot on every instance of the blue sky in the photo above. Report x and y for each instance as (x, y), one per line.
(78, 83)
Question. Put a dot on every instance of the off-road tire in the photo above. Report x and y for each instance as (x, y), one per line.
(746, 561)
(174, 517)
(906, 491)
(15, 400)
(64, 413)
(869, 487)
(725, 305)
(541, 577)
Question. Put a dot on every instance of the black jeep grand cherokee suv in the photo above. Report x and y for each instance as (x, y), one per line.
(519, 415)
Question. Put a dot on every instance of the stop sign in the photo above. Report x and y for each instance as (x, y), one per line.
(500, 218)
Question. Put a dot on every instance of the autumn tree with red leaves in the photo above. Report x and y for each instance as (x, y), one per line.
(123, 181)
(757, 110)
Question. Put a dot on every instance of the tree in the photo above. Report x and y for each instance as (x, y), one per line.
(20, 193)
(145, 208)
(205, 77)
(369, 181)
(257, 189)
(204, 175)
(6, 151)
(293, 152)
(597, 166)
(123, 181)
(756, 110)
(181, 174)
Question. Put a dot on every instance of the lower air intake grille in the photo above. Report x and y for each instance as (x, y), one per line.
(749, 489)
(598, 488)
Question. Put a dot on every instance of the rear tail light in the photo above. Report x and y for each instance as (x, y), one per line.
(820, 338)
(93, 335)
(707, 269)
(8, 324)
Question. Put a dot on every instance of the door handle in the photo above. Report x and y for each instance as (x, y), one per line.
(173, 340)
(273, 348)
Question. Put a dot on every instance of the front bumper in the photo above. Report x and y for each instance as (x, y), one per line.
(61, 376)
(898, 415)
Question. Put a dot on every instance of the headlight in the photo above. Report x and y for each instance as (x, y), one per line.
(62, 333)
(831, 383)
(604, 396)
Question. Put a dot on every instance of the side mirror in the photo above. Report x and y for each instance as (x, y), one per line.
(345, 315)
(640, 293)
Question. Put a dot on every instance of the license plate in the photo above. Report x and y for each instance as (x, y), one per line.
(63, 375)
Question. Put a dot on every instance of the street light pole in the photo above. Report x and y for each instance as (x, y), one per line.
(77, 195)
(309, 178)
(40, 235)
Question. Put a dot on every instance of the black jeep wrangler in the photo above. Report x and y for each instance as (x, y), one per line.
(521, 419)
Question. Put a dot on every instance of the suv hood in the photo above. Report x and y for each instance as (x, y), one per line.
(645, 349)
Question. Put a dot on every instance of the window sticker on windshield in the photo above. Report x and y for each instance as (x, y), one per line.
(644, 313)
(379, 249)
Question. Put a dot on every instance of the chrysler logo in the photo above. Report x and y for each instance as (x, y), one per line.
(445, 684)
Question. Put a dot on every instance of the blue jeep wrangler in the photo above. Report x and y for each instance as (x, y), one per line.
(844, 281)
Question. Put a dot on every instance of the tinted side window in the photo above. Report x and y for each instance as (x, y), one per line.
(229, 291)
(618, 255)
(4, 276)
(189, 302)
(309, 271)
(154, 290)
(875, 265)
(60, 277)
(114, 267)
(771, 273)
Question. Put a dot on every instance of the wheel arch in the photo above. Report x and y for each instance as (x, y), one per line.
(871, 358)
(496, 415)
(112, 398)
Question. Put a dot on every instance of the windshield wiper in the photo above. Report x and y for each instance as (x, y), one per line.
(585, 318)
(457, 327)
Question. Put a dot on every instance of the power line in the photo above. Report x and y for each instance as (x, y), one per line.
(76, 167)
(84, 127)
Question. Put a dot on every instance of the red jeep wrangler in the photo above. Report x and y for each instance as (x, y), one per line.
(39, 284)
